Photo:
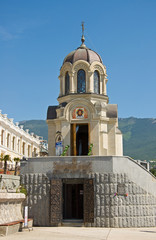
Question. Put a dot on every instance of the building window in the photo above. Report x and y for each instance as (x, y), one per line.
(28, 150)
(13, 143)
(67, 83)
(23, 148)
(96, 82)
(35, 152)
(81, 81)
(18, 147)
(2, 137)
(8, 140)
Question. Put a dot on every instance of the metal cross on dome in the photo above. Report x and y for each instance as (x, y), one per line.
(82, 38)
(82, 28)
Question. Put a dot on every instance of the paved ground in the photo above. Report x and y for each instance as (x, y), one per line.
(81, 233)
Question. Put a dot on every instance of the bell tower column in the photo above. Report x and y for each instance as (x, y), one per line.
(90, 82)
(71, 74)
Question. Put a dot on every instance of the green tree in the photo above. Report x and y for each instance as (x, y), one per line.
(153, 171)
(5, 159)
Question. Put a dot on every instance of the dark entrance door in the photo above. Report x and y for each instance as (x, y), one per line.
(79, 139)
(72, 201)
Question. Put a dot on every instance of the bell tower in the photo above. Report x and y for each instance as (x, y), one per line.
(84, 117)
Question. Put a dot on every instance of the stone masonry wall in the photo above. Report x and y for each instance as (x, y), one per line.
(118, 201)
(114, 209)
(38, 199)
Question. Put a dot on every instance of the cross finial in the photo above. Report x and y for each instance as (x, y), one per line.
(82, 28)
(82, 38)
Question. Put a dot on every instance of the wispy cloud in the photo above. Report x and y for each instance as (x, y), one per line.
(6, 35)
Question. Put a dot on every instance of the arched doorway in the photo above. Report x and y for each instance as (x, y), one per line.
(79, 139)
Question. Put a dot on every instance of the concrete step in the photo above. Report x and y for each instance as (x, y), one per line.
(72, 223)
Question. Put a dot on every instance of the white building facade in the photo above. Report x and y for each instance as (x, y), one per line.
(16, 142)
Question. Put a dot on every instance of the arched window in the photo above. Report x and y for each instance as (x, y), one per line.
(96, 82)
(29, 148)
(2, 137)
(23, 148)
(8, 140)
(67, 83)
(13, 143)
(81, 81)
(18, 146)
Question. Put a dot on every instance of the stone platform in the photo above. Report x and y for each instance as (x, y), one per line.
(124, 193)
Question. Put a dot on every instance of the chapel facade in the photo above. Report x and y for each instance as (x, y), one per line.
(105, 189)
(84, 118)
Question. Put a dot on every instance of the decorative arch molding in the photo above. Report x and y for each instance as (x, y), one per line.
(78, 102)
(67, 67)
(81, 65)
(99, 67)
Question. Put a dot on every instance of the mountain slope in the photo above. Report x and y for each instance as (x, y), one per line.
(139, 135)
(39, 127)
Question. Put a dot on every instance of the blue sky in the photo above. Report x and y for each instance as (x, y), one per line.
(36, 35)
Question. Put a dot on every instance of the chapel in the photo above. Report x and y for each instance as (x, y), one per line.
(104, 189)
(83, 119)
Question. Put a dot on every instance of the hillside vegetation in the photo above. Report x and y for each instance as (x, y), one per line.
(139, 135)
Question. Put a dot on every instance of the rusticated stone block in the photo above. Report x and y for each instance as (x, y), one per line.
(127, 211)
(40, 189)
(98, 212)
(26, 179)
(118, 178)
(116, 224)
(134, 211)
(122, 178)
(112, 188)
(106, 189)
(130, 199)
(97, 222)
(97, 178)
(35, 199)
(22, 179)
(102, 200)
(35, 189)
(107, 211)
(102, 188)
(120, 201)
(120, 222)
(101, 178)
(130, 188)
(112, 178)
(106, 177)
(107, 200)
(97, 200)
(134, 189)
(102, 211)
(111, 222)
(39, 178)
(134, 199)
(35, 178)
(107, 224)
(125, 178)
(97, 188)
(102, 222)
(120, 211)
(143, 199)
(44, 189)
(131, 211)
(124, 222)
(113, 211)
(31, 178)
